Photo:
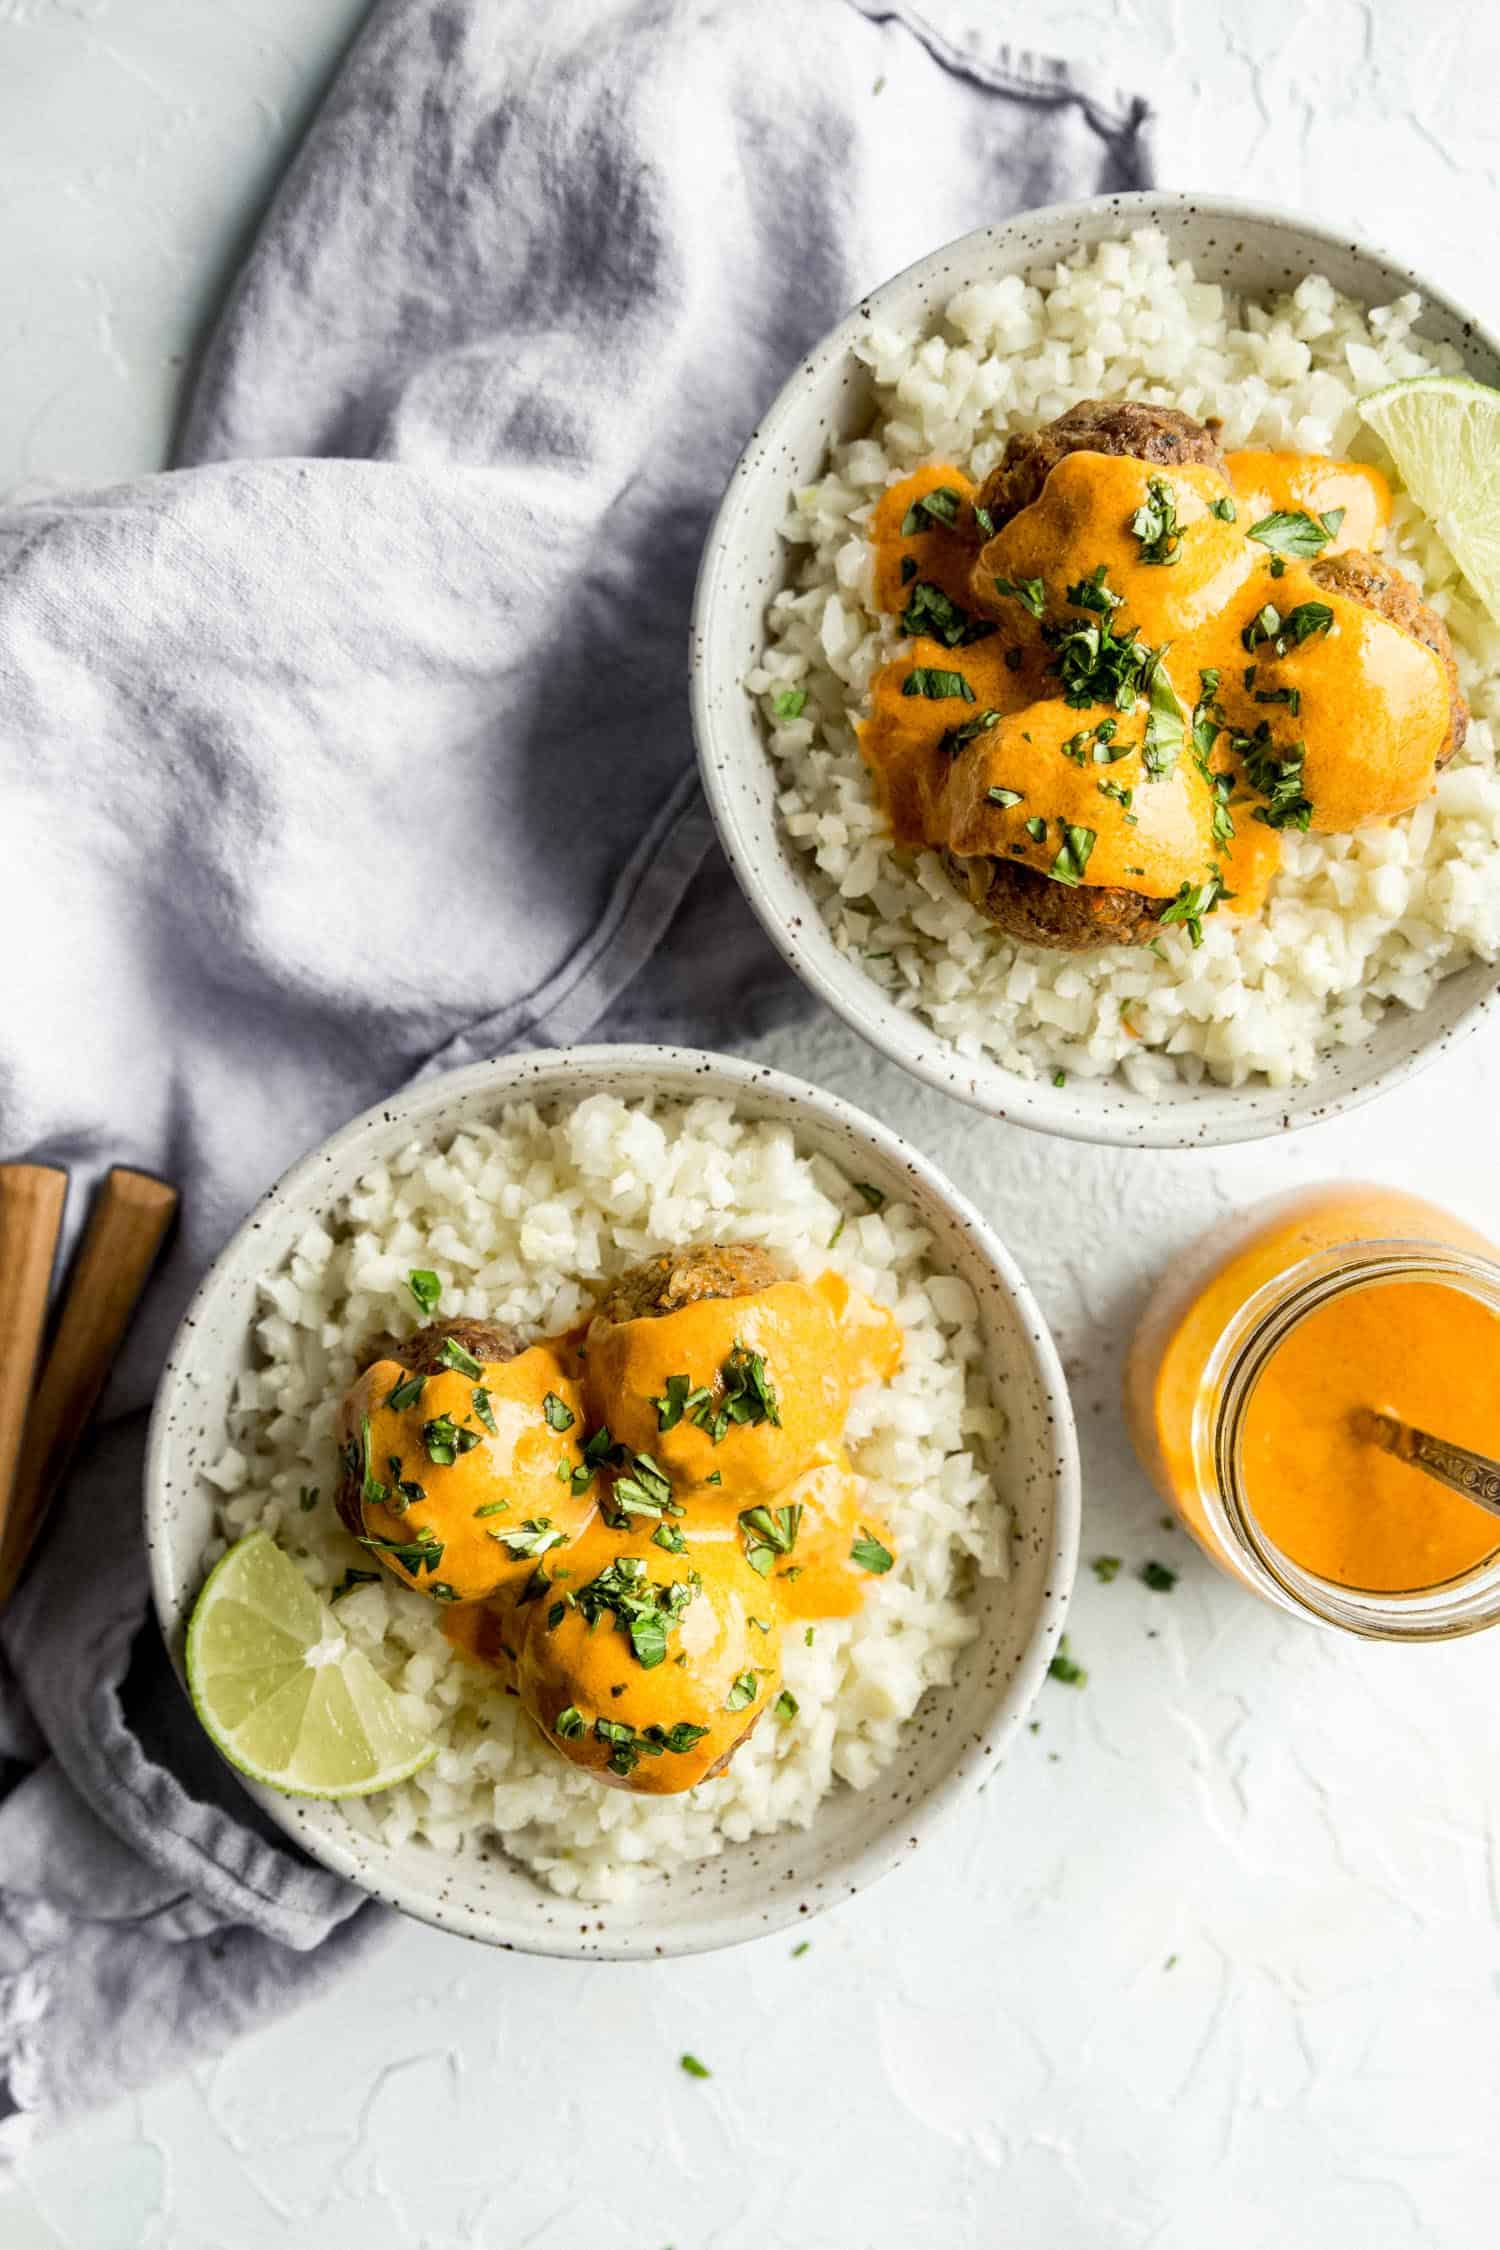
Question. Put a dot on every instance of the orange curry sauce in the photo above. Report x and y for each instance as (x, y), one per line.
(487, 1487)
(1421, 1349)
(1274, 700)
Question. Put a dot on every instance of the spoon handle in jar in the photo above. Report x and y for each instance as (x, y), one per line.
(1474, 1475)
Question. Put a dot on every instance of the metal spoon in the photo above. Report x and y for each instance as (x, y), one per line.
(1474, 1475)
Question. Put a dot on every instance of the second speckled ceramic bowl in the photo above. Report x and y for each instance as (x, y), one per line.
(956, 1736)
(1244, 247)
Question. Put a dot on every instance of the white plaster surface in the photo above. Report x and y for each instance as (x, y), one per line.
(1214, 1961)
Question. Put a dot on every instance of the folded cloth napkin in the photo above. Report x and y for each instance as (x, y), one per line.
(358, 746)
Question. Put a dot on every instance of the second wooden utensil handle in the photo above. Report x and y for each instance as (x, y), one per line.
(31, 1208)
(129, 1219)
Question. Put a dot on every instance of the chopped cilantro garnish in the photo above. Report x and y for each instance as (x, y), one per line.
(451, 1353)
(1193, 901)
(406, 1393)
(1004, 798)
(643, 1489)
(1157, 1576)
(1073, 854)
(1224, 508)
(870, 1194)
(1166, 728)
(1031, 593)
(424, 1552)
(743, 1692)
(940, 507)
(747, 1395)
(1094, 664)
(868, 1552)
(786, 1705)
(693, 2067)
(1269, 628)
(769, 1532)
(351, 1579)
(643, 1609)
(1288, 531)
(788, 704)
(445, 1441)
(371, 1491)
(532, 1538)
(931, 613)
(1275, 773)
(1092, 593)
(1106, 1568)
(1064, 1668)
(954, 739)
(426, 1288)
(1155, 524)
(938, 686)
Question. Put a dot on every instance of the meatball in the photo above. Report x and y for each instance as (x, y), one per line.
(1380, 586)
(421, 1354)
(655, 1712)
(1032, 907)
(484, 1340)
(1159, 434)
(690, 1277)
(720, 1365)
(450, 1473)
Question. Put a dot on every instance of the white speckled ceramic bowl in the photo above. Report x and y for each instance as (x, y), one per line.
(957, 1734)
(1244, 247)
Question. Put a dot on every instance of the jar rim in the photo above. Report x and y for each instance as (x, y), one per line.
(1466, 1604)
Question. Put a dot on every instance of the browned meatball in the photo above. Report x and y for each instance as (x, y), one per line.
(1381, 587)
(1159, 434)
(421, 1354)
(686, 1277)
(1074, 918)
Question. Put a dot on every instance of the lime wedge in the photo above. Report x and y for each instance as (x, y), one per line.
(1443, 434)
(283, 1694)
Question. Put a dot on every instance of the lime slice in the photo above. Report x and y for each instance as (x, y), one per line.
(280, 1689)
(1443, 434)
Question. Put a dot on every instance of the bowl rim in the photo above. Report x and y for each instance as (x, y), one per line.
(1215, 1120)
(542, 1074)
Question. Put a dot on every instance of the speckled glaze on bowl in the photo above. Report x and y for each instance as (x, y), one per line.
(955, 1738)
(1245, 247)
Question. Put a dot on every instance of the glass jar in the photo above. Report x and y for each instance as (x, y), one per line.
(1414, 1290)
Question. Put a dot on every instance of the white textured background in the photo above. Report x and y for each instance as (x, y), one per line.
(1213, 1964)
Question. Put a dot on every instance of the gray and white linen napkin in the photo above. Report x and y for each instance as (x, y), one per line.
(358, 745)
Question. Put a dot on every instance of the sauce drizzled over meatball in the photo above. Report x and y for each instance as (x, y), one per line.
(622, 1520)
(1134, 660)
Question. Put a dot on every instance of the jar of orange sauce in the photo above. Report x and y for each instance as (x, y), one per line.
(1251, 1360)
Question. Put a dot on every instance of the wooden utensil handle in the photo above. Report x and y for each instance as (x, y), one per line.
(31, 1208)
(125, 1231)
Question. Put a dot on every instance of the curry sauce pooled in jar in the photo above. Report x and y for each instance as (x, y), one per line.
(1251, 1379)
(1133, 660)
(620, 1521)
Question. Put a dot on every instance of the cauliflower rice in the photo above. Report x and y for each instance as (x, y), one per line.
(523, 1220)
(1355, 923)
